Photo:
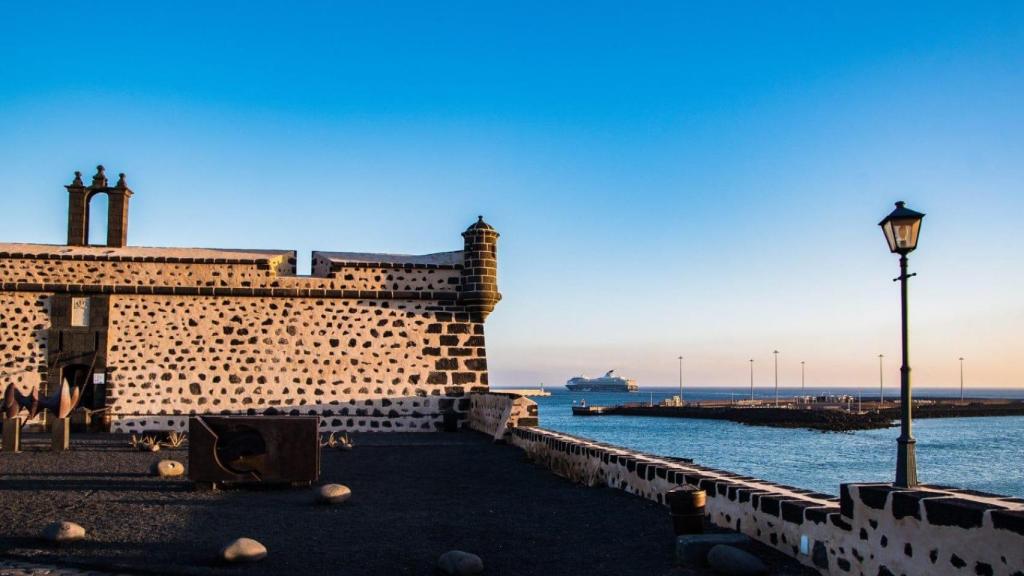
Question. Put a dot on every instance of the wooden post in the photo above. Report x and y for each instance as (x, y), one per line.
(12, 435)
(61, 430)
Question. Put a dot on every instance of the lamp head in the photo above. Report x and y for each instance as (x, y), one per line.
(901, 228)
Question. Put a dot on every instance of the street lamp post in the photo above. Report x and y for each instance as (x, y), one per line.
(680, 380)
(751, 379)
(776, 352)
(902, 228)
(961, 378)
(881, 381)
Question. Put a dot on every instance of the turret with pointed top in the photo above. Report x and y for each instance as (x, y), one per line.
(480, 270)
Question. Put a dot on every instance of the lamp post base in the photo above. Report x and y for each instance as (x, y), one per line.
(906, 463)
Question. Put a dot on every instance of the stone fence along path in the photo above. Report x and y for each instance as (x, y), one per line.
(871, 529)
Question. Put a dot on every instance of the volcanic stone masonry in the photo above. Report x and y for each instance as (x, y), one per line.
(367, 342)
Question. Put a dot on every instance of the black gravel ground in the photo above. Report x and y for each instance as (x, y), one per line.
(415, 496)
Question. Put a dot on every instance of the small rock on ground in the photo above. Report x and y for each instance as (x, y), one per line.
(459, 563)
(692, 549)
(333, 493)
(167, 469)
(244, 550)
(731, 561)
(63, 532)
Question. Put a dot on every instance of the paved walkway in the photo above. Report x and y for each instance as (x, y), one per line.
(415, 496)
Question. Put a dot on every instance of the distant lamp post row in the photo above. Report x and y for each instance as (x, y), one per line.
(901, 228)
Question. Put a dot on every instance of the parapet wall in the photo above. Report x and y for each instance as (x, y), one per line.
(208, 272)
(872, 529)
(930, 530)
(498, 413)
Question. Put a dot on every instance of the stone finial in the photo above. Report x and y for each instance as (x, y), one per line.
(100, 179)
(77, 182)
(120, 181)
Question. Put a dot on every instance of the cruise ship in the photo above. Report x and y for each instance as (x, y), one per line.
(607, 383)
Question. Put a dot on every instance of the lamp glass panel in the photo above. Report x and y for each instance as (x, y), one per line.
(905, 233)
(889, 236)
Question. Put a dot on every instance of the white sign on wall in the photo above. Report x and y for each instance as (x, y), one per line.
(79, 312)
(99, 378)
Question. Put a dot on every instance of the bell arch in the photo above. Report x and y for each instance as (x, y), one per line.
(80, 198)
(97, 218)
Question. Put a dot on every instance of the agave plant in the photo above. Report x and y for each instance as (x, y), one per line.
(149, 443)
(174, 439)
(329, 441)
(344, 442)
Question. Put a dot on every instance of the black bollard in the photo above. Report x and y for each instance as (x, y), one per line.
(687, 506)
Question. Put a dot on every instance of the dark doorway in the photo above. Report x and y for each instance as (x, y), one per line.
(93, 393)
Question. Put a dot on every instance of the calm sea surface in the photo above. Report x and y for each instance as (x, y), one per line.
(980, 453)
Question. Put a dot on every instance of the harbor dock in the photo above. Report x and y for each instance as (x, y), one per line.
(798, 413)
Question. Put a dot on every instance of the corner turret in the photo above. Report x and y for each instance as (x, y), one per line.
(480, 270)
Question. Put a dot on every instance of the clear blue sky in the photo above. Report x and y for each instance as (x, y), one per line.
(667, 178)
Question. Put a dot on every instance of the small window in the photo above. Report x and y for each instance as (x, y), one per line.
(79, 312)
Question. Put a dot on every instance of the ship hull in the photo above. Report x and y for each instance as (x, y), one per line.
(600, 388)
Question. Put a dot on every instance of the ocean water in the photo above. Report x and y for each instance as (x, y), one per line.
(984, 454)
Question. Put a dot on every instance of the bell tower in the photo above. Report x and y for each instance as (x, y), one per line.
(79, 196)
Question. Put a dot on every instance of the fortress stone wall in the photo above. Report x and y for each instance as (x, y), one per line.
(367, 342)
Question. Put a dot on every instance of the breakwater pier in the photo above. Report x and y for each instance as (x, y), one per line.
(845, 415)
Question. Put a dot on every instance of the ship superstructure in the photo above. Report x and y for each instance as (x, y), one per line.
(610, 382)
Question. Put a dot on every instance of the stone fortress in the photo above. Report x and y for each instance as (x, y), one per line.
(368, 342)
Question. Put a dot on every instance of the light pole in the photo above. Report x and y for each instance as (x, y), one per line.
(901, 228)
(802, 377)
(776, 352)
(881, 393)
(961, 378)
(680, 380)
(751, 379)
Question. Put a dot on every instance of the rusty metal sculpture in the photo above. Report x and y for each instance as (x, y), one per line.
(15, 402)
(253, 449)
(61, 403)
